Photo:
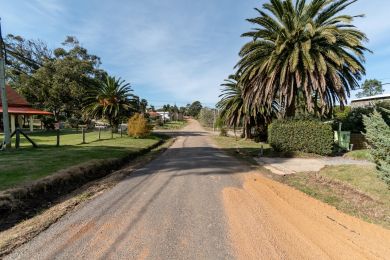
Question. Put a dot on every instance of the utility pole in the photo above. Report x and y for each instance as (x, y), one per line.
(214, 120)
(3, 92)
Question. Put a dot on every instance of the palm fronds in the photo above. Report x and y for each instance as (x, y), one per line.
(310, 48)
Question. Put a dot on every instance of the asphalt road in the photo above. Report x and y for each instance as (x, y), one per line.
(170, 209)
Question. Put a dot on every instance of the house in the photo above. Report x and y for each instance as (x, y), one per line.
(369, 101)
(19, 110)
(154, 115)
(164, 115)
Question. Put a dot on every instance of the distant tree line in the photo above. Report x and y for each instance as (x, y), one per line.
(192, 109)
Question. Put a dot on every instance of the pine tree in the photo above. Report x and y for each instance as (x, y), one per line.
(378, 137)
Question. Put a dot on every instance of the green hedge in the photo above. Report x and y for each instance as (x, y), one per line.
(301, 135)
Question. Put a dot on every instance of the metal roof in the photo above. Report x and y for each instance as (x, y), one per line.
(382, 96)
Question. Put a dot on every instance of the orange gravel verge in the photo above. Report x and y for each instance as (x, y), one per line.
(269, 220)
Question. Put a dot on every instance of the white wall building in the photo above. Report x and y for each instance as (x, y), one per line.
(164, 115)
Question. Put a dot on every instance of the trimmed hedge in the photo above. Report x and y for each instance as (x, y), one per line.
(301, 135)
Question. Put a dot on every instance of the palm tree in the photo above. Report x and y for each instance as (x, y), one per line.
(231, 103)
(143, 106)
(111, 100)
(235, 112)
(307, 48)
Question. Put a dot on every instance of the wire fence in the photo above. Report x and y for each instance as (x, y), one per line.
(43, 138)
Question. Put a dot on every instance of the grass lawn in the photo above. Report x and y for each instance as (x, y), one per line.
(67, 137)
(355, 190)
(359, 155)
(172, 125)
(247, 149)
(27, 164)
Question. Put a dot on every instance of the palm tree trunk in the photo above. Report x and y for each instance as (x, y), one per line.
(247, 129)
(290, 109)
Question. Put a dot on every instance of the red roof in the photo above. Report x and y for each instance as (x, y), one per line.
(14, 99)
(154, 114)
(19, 105)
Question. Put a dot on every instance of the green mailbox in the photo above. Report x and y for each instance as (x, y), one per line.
(343, 139)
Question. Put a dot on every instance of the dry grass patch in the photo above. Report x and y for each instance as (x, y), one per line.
(355, 190)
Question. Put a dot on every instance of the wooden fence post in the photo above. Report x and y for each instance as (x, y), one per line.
(83, 132)
(58, 137)
(17, 141)
(112, 133)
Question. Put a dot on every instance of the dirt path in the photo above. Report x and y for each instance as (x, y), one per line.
(269, 220)
(283, 166)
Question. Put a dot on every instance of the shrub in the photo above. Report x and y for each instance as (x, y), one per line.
(352, 118)
(223, 131)
(378, 137)
(138, 126)
(75, 122)
(48, 122)
(260, 133)
(206, 117)
(301, 135)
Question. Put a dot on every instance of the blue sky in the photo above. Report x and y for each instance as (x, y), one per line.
(171, 51)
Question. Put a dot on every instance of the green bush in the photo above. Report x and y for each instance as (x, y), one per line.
(352, 118)
(48, 122)
(301, 135)
(75, 122)
(378, 137)
(223, 131)
(207, 116)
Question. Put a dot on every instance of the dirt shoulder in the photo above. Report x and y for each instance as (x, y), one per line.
(270, 220)
(352, 186)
